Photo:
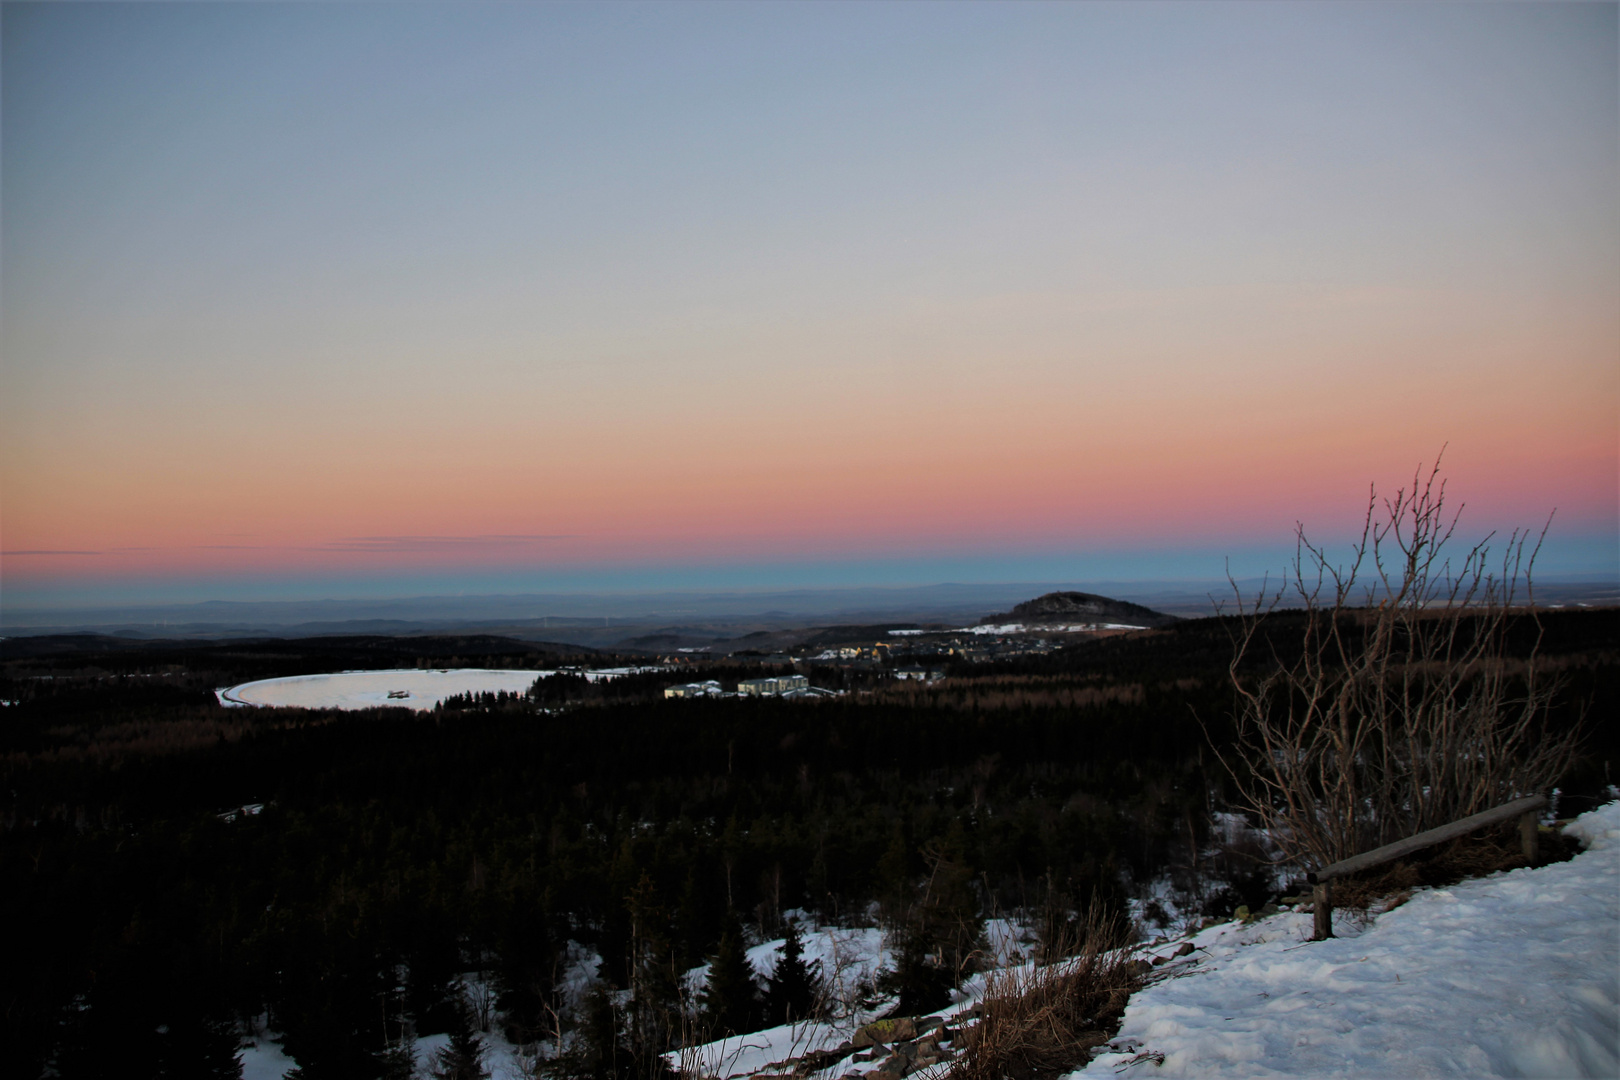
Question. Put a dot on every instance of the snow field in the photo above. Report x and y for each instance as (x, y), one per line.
(421, 689)
(1517, 974)
(370, 689)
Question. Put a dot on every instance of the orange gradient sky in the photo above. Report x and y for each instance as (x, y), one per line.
(294, 295)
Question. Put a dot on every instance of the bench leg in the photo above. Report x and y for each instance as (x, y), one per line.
(1530, 836)
(1322, 901)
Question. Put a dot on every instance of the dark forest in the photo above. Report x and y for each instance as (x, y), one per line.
(388, 852)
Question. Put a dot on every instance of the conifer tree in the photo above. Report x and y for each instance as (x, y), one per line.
(949, 911)
(731, 999)
(397, 1061)
(919, 979)
(598, 1052)
(655, 1010)
(794, 984)
(463, 1059)
(695, 920)
(894, 871)
(939, 939)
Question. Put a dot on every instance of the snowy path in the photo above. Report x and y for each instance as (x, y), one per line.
(1517, 974)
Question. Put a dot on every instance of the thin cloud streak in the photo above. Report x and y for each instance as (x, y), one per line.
(386, 544)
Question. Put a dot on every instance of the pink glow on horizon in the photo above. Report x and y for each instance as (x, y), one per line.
(1133, 500)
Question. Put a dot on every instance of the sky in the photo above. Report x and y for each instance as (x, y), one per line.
(316, 300)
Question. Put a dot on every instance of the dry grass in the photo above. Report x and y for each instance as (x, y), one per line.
(1043, 1021)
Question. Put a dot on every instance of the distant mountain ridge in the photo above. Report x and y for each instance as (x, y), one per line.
(1077, 607)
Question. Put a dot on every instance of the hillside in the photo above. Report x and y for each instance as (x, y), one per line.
(1080, 607)
(494, 846)
(1516, 974)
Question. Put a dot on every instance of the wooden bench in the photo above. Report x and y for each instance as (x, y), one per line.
(1527, 810)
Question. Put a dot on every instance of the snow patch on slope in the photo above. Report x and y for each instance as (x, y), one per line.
(1516, 974)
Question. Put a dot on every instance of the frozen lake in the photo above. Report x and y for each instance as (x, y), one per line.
(408, 688)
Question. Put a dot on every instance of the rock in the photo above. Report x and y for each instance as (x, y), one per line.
(1186, 947)
(894, 1029)
(862, 1039)
(819, 1060)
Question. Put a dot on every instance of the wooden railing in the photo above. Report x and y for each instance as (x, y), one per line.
(1527, 810)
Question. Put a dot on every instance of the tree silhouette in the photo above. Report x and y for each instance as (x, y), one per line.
(463, 1058)
(731, 998)
(794, 984)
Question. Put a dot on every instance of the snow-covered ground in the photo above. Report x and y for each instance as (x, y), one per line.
(424, 689)
(851, 959)
(262, 1058)
(1517, 974)
(404, 688)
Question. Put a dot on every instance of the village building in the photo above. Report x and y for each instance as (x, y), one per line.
(772, 686)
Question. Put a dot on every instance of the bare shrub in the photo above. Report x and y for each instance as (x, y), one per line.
(1397, 709)
(1043, 1020)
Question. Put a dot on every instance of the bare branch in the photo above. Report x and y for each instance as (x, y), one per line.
(1397, 707)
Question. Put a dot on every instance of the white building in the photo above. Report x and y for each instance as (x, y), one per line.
(770, 687)
(697, 689)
